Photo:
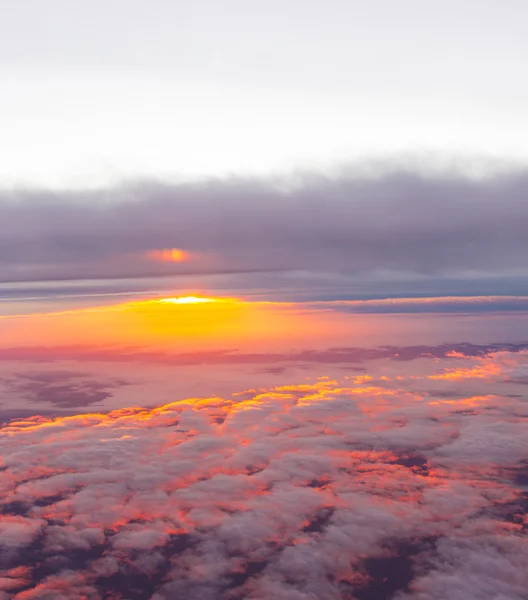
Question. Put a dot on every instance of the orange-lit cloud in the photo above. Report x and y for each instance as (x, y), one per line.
(484, 370)
(292, 492)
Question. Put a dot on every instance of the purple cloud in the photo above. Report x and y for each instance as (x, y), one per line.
(403, 221)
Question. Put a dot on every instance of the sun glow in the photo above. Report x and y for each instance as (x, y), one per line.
(169, 255)
(187, 300)
(172, 323)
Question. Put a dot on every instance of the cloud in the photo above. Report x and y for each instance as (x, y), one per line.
(480, 564)
(62, 389)
(344, 355)
(442, 304)
(404, 221)
(326, 489)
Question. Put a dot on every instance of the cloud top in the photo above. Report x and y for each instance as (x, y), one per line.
(332, 489)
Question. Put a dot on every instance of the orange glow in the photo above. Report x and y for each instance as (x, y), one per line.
(190, 322)
(194, 320)
(169, 255)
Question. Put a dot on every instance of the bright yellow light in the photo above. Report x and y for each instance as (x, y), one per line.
(187, 300)
(190, 322)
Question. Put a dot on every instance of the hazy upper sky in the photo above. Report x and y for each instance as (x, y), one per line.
(93, 92)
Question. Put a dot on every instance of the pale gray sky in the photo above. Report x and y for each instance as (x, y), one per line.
(95, 91)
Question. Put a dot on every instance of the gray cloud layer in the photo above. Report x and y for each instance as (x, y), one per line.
(400, 221)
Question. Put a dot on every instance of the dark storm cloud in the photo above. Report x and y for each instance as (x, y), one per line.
(405, 221)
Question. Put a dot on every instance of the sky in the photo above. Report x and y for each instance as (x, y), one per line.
(263, 300)
(361, 149)
(93, 93)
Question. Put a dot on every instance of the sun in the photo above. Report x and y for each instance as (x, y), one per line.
(186, 300)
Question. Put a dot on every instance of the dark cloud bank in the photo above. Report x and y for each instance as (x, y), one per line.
(399, 221)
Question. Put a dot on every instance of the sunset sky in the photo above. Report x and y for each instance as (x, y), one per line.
(263, 300)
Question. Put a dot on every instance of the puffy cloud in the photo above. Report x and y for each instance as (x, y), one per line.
(18, 532)
(330, 489)
(487, 565)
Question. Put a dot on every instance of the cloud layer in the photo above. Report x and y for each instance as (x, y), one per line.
(399, 221)
(361, 488)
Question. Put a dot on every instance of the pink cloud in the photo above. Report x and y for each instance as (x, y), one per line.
(304, 491)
